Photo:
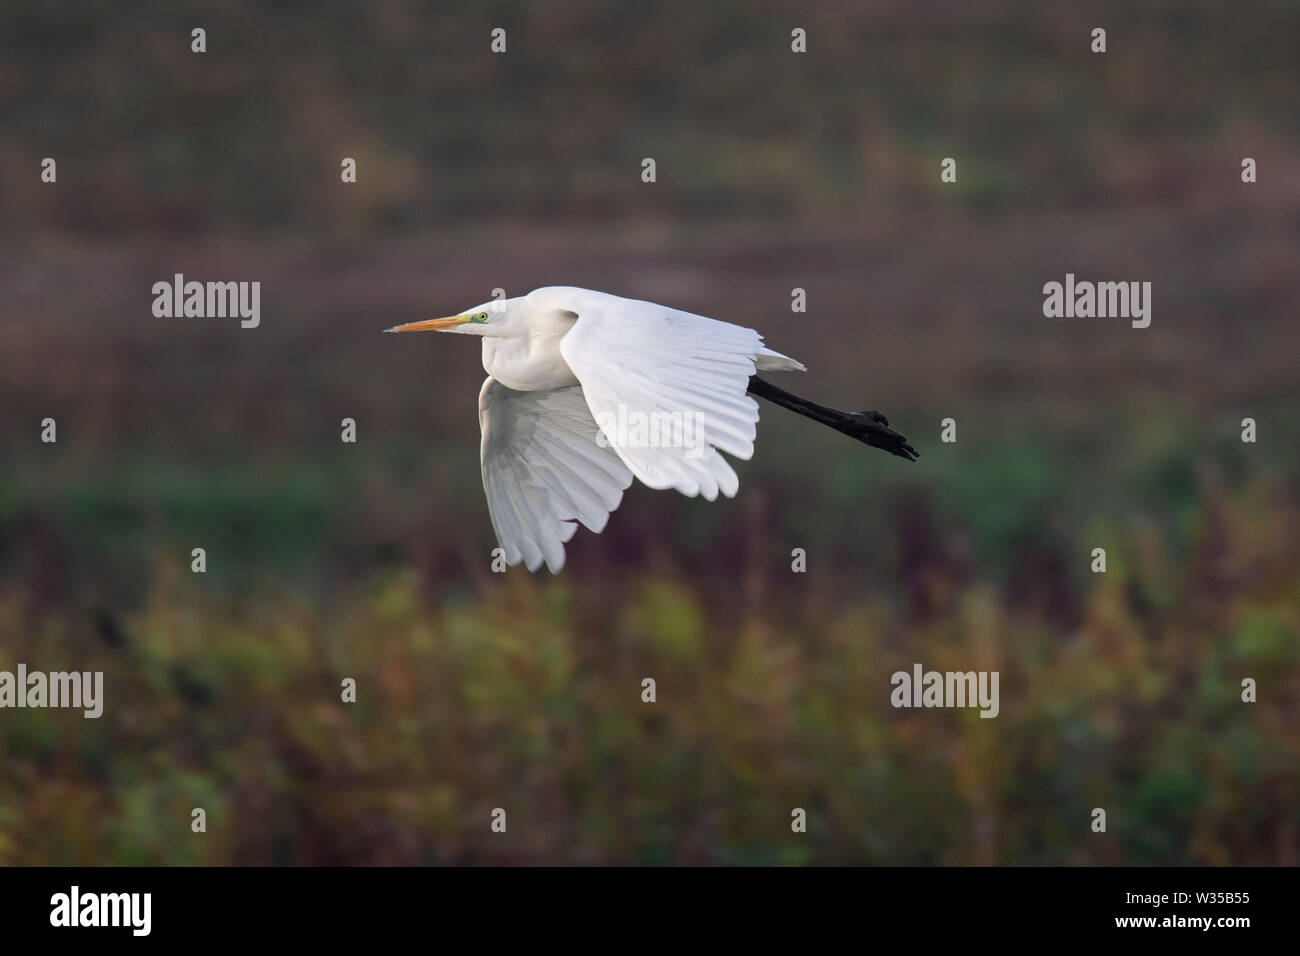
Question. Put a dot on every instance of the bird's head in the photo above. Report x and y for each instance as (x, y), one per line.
(486, 319)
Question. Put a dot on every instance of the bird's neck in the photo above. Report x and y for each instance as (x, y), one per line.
(527, 364)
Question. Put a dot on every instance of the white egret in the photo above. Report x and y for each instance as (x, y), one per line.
(586, 391)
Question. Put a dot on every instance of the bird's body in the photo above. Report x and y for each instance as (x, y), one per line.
(587, 390)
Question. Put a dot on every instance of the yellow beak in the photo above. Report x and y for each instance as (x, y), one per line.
(431, 325)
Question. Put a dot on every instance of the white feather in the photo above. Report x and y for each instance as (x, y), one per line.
(543, 470)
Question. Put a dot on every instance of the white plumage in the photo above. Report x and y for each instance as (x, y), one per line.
(544, 470)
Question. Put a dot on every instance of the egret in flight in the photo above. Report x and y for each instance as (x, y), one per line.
(586, 391)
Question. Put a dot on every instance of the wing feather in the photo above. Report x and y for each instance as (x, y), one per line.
(637, 360)
(544, 471)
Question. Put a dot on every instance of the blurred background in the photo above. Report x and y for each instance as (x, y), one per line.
(819, 171)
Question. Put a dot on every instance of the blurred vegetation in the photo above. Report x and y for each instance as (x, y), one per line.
(371, 560)
(1119, 690)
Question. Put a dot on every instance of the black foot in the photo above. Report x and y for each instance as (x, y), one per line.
(872, 428)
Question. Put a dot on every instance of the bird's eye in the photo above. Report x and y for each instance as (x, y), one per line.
(481, 317)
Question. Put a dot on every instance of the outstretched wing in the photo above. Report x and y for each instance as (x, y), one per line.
(668, 389)
(543, 470)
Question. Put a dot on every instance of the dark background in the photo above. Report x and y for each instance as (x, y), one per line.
(775, 171)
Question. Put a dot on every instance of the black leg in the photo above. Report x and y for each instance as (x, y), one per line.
(870, 428)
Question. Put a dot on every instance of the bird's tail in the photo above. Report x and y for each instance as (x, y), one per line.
(768, 360)
(870, 428)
